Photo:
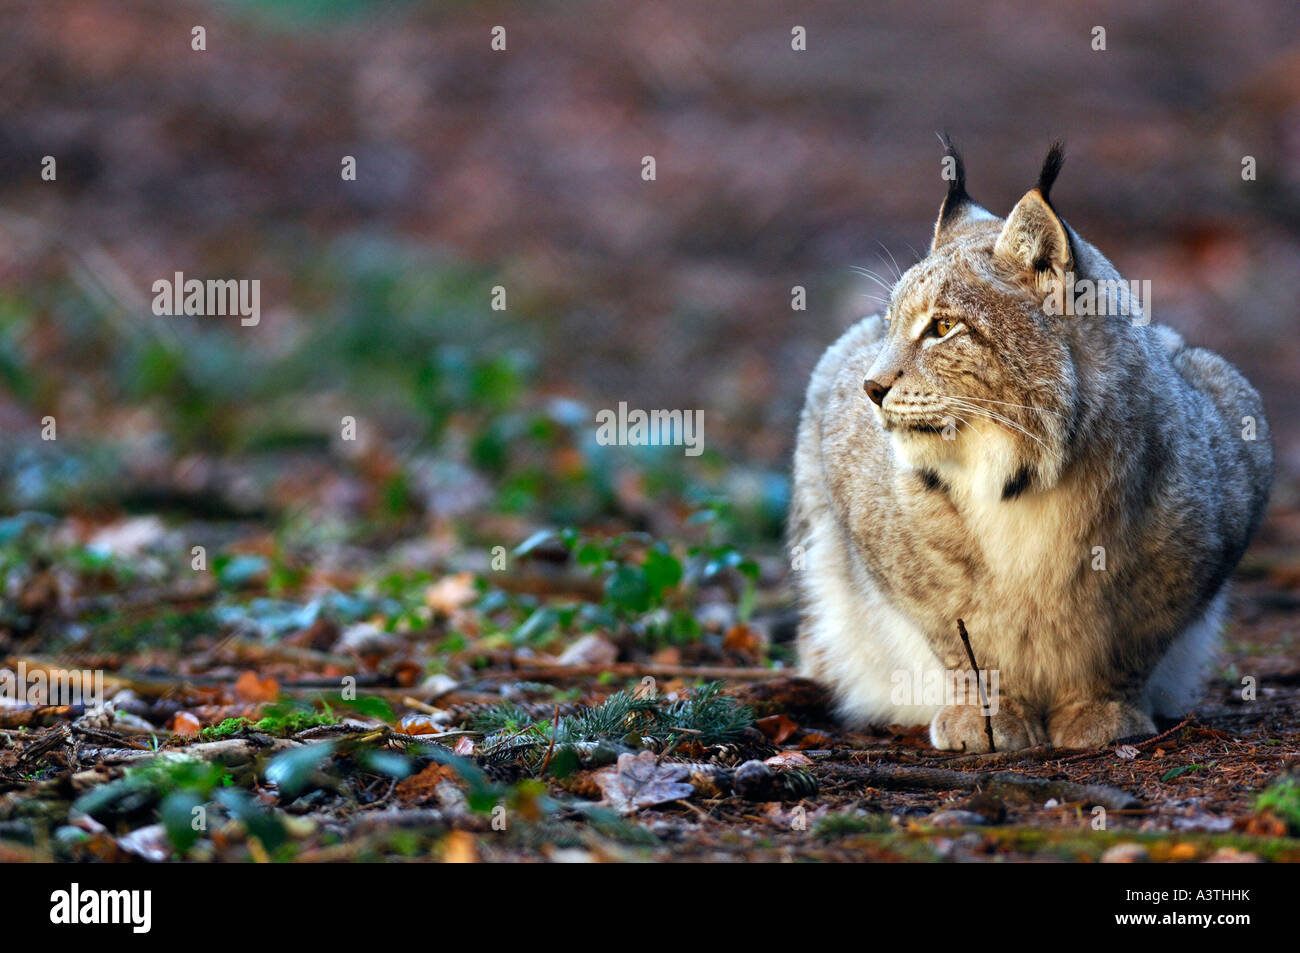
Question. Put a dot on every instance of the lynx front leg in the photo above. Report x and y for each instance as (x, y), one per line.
(1091, 724)
(961, 728)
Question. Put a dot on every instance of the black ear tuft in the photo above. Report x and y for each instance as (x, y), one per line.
(1051, 169)
(957, 196)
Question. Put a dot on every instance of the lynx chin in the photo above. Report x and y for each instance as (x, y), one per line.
(1076, 488)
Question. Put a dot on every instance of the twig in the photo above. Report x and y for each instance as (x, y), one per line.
(51, 741)
(555, 730)
(970, 653)
(1041, 752)
(1140, 746)
(419, 706)
(1005, 784)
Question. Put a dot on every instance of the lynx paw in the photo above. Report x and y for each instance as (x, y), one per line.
(961, 728)
(1096, 723)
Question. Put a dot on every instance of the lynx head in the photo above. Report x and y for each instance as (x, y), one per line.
(975, 380)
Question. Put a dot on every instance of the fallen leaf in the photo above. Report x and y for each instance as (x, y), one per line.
(790, 759)
(186, 724)
(420, 787)
(743, 640)
(777, 728)
(250, 688)
(418, 723)
(637, 782)
(814, 740)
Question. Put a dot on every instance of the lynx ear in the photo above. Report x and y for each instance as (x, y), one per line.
(958, 208)
(1034, 238)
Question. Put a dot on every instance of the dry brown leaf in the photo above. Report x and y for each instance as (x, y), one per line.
(777, 728)
(420, 787)
(419, 723)
(250, 688)
(790, 759)
(638, 781)
(186, 723)
(743, 640)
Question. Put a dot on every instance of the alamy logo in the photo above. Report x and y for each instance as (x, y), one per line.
(73, 906)
(211, 298)
(1084, 296)
(937, 686)
(655, 428)
(55, 687)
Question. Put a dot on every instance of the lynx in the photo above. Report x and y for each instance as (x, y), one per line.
(1075, 487)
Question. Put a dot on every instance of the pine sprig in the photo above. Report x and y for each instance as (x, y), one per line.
(706, 714)
(718, 718)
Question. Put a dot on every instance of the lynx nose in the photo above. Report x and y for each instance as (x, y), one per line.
(875, 390)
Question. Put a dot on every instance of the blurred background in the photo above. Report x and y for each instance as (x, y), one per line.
(478, 168)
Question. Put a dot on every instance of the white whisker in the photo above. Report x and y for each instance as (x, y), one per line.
(1005, 403)
(1005, 421)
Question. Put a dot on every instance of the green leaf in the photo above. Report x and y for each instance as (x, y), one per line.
(541, 622)
(292, 771)
(369, 706)
(592, 555)
(178, 818)
(662, 572)
(628, 589)
(390, 763)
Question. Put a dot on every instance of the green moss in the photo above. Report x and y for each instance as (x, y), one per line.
(838, 825)
(280, 724)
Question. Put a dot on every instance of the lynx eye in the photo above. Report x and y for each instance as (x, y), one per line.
(942, 326)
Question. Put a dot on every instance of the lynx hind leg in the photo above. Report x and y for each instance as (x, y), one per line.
(963, 728)
(1178, 681)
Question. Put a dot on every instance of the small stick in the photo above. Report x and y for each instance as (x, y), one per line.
(419, 706)
(984, 702)
(555, 730)
(1005, 784)
(1140, 746)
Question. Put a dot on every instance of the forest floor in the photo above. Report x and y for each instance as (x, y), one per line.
(602, 698)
